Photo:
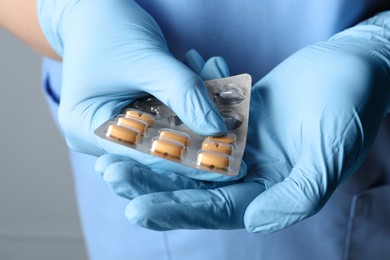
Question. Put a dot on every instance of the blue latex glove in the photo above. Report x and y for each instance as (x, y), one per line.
(114, 52)
(313, 120)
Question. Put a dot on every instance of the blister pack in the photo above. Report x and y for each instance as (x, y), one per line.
(149, 126)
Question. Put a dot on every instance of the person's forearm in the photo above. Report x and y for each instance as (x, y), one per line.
(19, 17)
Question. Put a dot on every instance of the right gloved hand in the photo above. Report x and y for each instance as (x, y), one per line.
(114, 52)
(312, 122)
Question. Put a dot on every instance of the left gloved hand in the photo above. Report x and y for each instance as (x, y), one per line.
(113, 53)
(313, 120)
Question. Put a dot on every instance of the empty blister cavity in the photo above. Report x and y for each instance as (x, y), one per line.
(175, 136)
(140, 125)
(149, 104)
(123, 133)
(137, 114)
(174, 120)
(212, 159)
(232, 119)
(166, 147)
(230, 94)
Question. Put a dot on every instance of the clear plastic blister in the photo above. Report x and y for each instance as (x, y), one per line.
(149, 126)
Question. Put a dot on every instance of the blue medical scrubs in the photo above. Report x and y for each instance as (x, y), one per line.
(253, 36)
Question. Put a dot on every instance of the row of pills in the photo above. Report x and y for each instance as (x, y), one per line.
(215, 152)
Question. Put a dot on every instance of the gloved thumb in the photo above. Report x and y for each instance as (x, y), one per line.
(187, 96)
(193, 106)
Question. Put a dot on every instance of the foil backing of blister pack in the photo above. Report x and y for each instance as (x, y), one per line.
(149, 126)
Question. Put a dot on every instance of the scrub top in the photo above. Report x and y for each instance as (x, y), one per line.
(253, 36)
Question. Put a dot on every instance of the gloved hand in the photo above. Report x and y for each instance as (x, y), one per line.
(313, 120)
(114, 52)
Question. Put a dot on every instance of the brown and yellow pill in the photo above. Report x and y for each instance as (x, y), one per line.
(141, 116)
(122, 133)
(213, 160)
(167, 148)
(217, 147)
(175, 136)
(140, 125)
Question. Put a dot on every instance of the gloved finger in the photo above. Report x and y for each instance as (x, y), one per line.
(130, 179)
(106, 160)
(220, 208)
(194, 61)
(215, 68)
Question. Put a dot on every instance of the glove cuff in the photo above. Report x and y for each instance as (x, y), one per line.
(50, 16)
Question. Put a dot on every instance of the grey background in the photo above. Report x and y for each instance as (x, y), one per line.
(38, 213)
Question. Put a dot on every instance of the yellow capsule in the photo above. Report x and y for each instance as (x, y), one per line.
(167, 148)
(122, 133)
(213, 160)
(140, 125)
(141, 116)
(175, 136)
(217, 147)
